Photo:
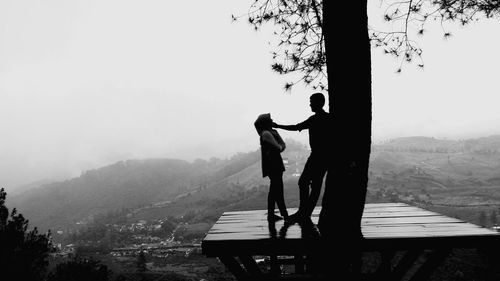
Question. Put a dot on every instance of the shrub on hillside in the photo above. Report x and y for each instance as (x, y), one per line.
(23, 253)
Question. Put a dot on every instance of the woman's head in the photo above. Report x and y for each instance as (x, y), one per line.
(263, 122)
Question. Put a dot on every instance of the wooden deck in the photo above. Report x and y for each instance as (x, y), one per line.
(386, 227)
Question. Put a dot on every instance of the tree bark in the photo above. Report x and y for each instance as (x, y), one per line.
(345, 27)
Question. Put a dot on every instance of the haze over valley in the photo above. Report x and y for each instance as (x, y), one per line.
(417, 169)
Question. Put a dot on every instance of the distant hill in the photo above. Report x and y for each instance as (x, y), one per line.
(486, 144)
(126, 184)
(32, 185)
(423, 161)
(420, 143)
(430, 144)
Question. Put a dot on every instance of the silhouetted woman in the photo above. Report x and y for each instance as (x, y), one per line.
(271, 146)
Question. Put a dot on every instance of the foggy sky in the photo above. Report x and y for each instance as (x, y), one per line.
(87, 83)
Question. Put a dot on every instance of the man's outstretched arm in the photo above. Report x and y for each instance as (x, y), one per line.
(286, 127)
(298, 127)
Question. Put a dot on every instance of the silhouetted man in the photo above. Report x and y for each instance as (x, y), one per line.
(311, 180)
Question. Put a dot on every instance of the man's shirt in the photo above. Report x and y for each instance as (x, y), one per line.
(319, 126)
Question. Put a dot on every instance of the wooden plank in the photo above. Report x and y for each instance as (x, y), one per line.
(452, 228)
(260, 215)
(395, 209)
(430, 226)
(409, 220)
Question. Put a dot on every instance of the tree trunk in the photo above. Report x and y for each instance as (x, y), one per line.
(345, 27)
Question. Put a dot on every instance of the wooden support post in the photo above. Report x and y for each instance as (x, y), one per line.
(433, 261)
(310, 263)
(384, 269)
(275, 267)
(250, 265)
(406, 262)
(234, 267)
(299, 264)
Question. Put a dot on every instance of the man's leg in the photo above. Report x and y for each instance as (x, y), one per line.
(304, 186)
(319, 171)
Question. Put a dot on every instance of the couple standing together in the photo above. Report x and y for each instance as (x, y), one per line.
(311, 179)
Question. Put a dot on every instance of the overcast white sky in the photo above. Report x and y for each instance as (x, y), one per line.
(87, 83)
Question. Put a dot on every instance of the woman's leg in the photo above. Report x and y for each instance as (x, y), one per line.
(277, 192)
(270, 199)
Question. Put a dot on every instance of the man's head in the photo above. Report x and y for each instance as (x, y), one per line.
(317, 101)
